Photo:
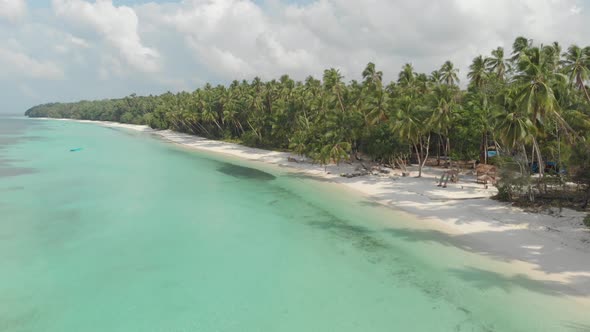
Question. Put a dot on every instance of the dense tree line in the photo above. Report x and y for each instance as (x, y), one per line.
(530, 103)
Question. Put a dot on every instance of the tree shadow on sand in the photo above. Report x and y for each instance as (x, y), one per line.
(577, 327)
(488, 279)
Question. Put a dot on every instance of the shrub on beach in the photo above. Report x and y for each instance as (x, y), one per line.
(514, 183)
(587, 220)
(251, 139)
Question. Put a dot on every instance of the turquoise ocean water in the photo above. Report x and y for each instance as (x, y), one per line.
(132, 233)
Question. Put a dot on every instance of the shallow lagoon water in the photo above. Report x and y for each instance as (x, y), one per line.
(136, 234)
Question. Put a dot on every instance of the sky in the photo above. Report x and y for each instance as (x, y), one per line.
(68, 50)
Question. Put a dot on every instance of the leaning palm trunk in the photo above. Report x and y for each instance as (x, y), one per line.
(525, 171)
(419, 160)
(583, 87)
(202, 129)
(341, 103)
(448, 151)
(483, 149)
(438, 144)
(539, 158)
(427, 149)
(254, 130)
(532, 156)
(241, 127)
(217, 125)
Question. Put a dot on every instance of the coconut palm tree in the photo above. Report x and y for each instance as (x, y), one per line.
(514, 128)
(481, 105)
(208, 115)
(444, 113)
(407, 77)
(535, 95)
(422, 83)
(577, 66)
(520, 45)
(410, 124)
(477, 72)
(375, 98)
(534, 81)
(449, 74)
(436, 77)
(333, 83)
(497, 64)
(553, 55)
(372, 78)
(339, 151)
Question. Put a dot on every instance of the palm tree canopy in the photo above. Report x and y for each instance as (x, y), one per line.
(477, 72)
(497, 64)
(449, 74)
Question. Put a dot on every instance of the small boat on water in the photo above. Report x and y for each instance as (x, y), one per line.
(75, 149)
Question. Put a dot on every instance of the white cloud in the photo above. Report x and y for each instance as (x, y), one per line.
(237, 39)
(117, 25)
(109, 50)
(20, 64)
(79, 42)
(240, 39)
(12, 10)
(69, 44)
(110, 67)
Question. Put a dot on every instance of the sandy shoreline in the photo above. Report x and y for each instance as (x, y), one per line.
(553, 248)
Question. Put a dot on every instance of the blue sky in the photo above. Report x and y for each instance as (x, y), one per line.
(67, 50)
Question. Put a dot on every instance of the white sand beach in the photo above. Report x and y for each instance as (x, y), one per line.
(552, 246)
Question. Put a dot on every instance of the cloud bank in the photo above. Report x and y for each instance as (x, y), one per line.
(12, 10)
(76, 49)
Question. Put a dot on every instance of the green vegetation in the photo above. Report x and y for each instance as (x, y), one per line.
(531, 105)
(587, 221)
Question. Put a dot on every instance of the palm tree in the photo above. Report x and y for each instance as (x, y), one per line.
(375, 98)
(449, 74)
(534, 79)
(444, 113)
(231, 115)
(333, 83)
(411, 126)
(436, 77)
(422, 83)
(553, 55)
(372, 78)
(407, 76)
(477, 72)
(497, 64)
(339, 151)
(535, 94)
(208, 115)
(520, 45)
(376, 107)
(577, 66)
(514, 129)
(481, 105)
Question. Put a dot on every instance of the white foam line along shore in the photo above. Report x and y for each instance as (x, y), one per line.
(547, 247)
